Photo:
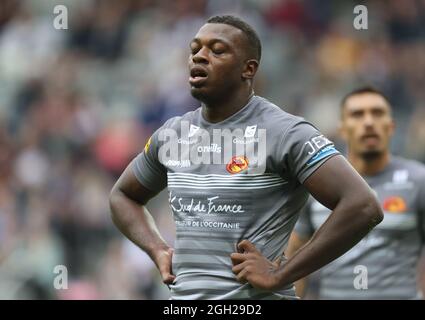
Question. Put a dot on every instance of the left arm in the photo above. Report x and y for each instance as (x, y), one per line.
(356, 211)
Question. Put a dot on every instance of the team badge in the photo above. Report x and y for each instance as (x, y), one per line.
(193, 129)
(237, 164)
(395, 205)
(250, 131)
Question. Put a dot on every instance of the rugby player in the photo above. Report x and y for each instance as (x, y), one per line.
(383, 265)
(235, 210)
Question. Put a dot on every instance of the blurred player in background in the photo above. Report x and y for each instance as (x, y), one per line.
(238, 203)
(388, 256)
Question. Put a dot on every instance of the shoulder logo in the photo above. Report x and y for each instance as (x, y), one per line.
(250, 131)
(400, 176)
(321, 154)
(237, 164)
(395, 204)
(193, 129)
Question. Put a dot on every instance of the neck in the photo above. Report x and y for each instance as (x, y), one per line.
(371, 166)
(219, 110)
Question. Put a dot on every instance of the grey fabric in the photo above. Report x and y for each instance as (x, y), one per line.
(215, 208)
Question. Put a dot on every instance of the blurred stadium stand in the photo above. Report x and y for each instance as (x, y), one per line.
(77, 105)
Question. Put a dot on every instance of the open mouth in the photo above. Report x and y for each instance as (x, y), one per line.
(198, 76)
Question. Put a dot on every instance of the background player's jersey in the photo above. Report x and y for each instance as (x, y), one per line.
(219, 198)
(390, 252)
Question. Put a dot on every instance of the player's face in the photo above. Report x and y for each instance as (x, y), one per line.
(216, 61)
(367, 124)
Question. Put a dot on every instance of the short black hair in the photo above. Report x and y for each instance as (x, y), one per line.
(364, 89)
(252, 36)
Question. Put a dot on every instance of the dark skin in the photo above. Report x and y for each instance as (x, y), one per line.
(127, 202)
(225, 69)
(222, 52)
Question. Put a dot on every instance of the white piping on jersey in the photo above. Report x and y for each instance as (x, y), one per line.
(217, 181)
(226, 176)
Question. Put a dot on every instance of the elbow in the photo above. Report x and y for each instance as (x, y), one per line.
(121, 207)
(371, 211)
(113, 203)
(112, 196)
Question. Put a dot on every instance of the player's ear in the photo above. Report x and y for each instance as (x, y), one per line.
(250, 69)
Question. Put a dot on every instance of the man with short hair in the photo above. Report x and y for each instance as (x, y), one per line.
(238, 170)
(383, 265)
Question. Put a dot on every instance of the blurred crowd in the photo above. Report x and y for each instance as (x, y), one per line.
(77, 104)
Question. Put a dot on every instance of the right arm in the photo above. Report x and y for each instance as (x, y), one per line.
(127, 202)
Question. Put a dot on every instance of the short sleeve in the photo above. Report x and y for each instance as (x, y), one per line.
(303, 150)
(304, 227)
(147, 168)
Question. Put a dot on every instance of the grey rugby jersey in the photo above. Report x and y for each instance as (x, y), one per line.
(237, 179)
(390, 252)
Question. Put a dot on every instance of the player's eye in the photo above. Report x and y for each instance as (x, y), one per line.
(378, 112)
(357, 114)
(218, 49)
(194, 49)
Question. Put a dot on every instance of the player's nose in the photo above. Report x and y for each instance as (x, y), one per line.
(201, 56)
(368, 120)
